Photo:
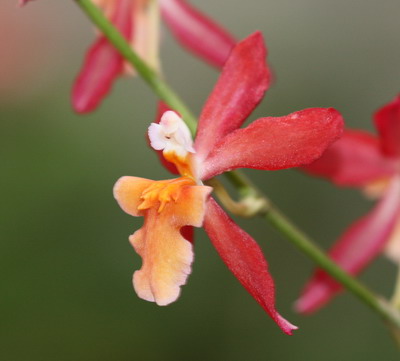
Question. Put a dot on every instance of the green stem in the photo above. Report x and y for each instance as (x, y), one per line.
(240, 182)
(238, 179)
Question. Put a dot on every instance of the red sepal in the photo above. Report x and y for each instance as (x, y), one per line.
(245, 260)
(240, 87)
(276, 143)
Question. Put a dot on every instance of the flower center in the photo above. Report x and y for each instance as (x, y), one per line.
(160, 193)
(173, 137)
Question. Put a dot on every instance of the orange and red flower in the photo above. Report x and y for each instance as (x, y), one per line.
(138, 21)
(360, 159)
(220, 145)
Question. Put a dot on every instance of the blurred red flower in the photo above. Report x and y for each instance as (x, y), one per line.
(138, 21)
(371, 163)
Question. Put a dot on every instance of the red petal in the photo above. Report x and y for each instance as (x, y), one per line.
(245, 260)
(276, 143)
(358, 246)
(241, 86)
(197, 32)
(102, 64)
(387, 121)
(354, 160)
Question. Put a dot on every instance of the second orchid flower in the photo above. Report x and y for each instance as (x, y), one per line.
(362, 160)
(138, 22)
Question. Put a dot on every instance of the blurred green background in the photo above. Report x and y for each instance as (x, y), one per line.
(65, 261)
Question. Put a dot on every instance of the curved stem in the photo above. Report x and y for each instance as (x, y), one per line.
(242, 184)
(248, 206)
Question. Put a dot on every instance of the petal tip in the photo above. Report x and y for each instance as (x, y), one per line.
(257, 36)
(82, 100)
(80, 105)
(286, 326)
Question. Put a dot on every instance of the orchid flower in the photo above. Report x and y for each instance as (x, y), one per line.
(371, 163)
(169, 206)
(138, 22)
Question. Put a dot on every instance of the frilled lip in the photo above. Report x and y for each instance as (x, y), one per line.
(166, 254)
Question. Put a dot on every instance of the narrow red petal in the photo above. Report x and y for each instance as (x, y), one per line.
(245, 260)
(358, 246)
(276, 143)
(387, 121)
(197, 32)
(241, 86)
(102, 64)
(353, 160)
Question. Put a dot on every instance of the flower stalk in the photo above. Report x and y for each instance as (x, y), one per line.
(243, 186)
(249, 205)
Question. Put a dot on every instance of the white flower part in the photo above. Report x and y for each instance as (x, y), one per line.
(171, 135)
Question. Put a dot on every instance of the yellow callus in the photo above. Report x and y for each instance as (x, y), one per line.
(162, 192)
